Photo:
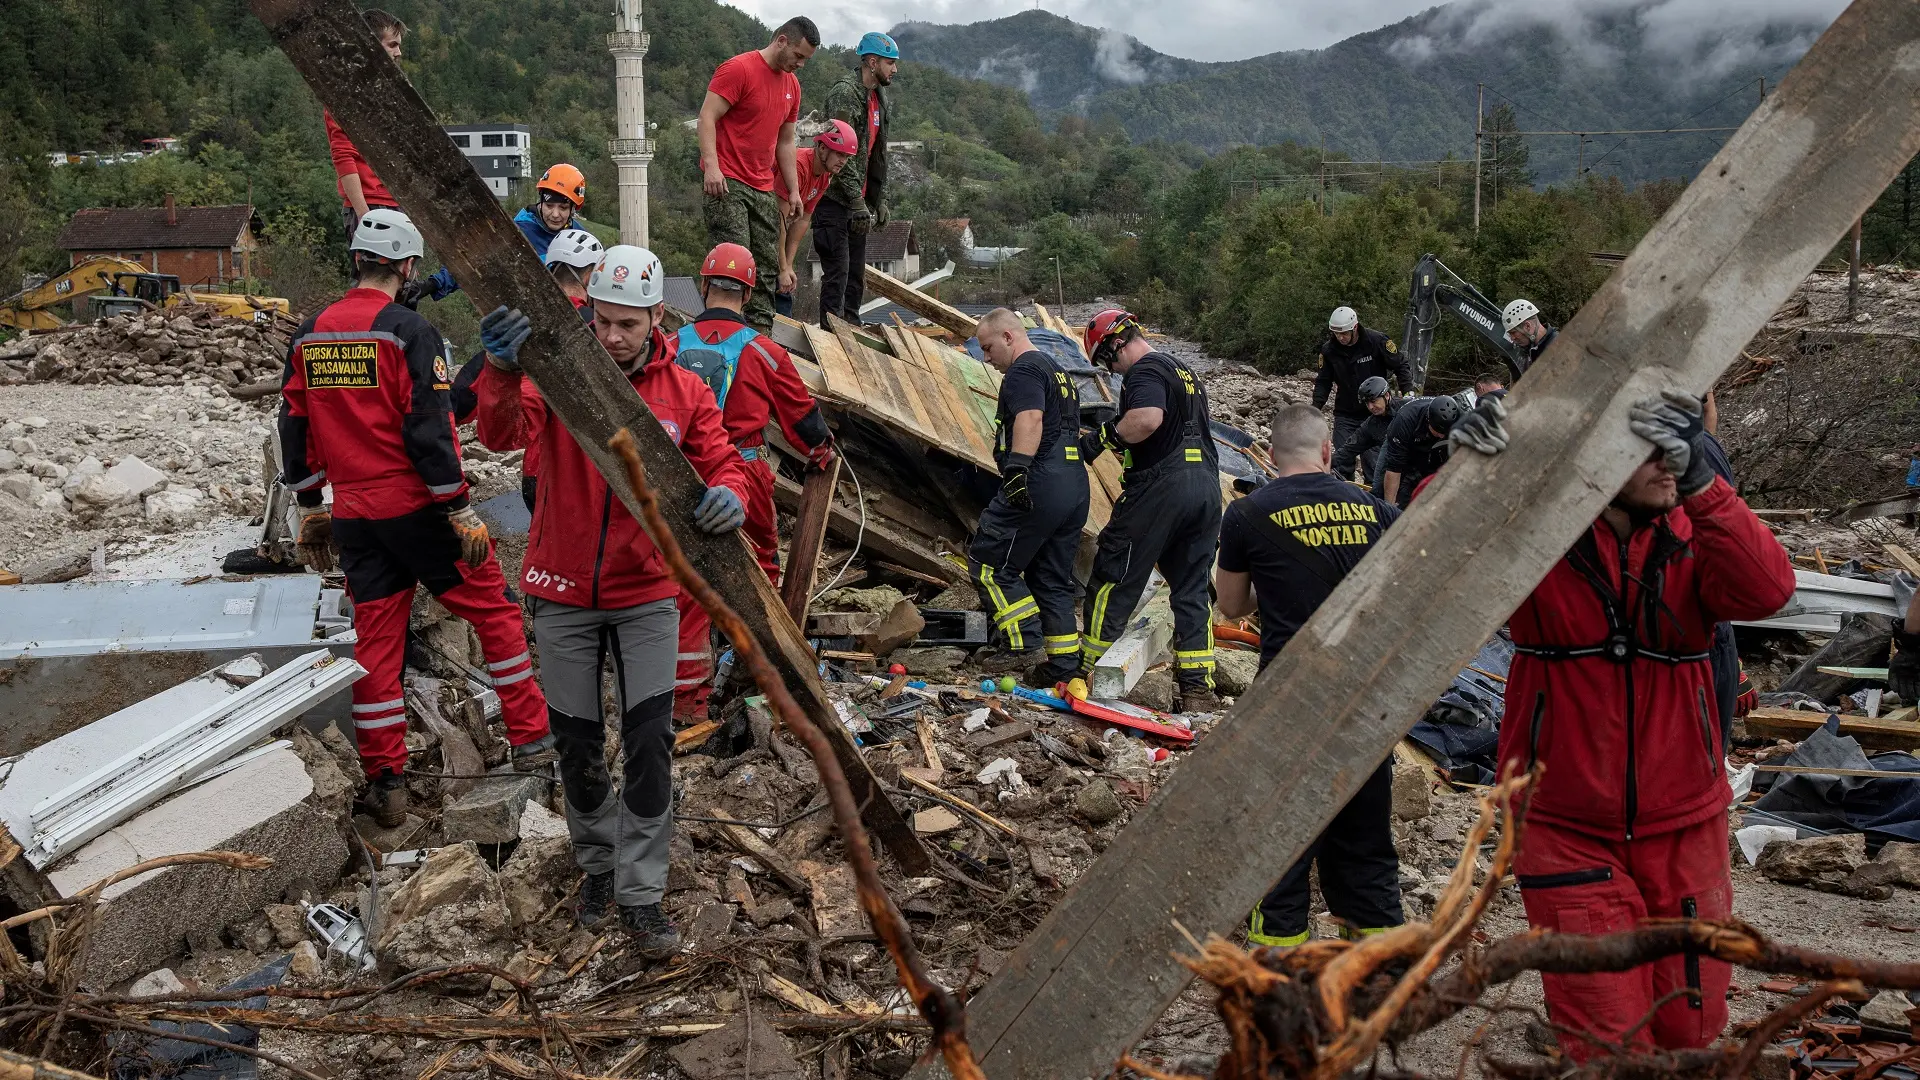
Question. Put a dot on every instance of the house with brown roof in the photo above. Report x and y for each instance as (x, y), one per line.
(201, 245)
(893, 248)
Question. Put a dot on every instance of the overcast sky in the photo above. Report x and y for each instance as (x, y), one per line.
(1236, 29)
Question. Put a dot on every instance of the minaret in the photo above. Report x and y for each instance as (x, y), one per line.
(630, 146)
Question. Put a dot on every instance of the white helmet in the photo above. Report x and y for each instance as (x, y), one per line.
(629, 276)
(577, 248)
(1343, 319)
(387, 233)
(1518, 312)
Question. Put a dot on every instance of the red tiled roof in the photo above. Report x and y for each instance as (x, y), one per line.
(145, 227)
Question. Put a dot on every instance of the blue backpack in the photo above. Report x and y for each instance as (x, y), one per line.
(716, 363)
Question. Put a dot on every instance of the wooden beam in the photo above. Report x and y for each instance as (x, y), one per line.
(941, 314)
(809, 532)
(333, 50)
(877, 538)
(1797, 724)
(1100, 968)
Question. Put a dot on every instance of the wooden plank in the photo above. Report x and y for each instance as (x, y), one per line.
(809, 533)
(878, 539)
(1796, 724)
(1904, 558)
(1814, 770)
(842, 381)
(332, 48)
(792, 336)
(1099, 969)
(945, 316)
(881, 375)
(1873, 673)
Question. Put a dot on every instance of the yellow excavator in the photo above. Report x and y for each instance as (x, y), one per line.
(114, 286)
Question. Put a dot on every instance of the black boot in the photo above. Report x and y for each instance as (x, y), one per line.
(386, 799)
(595, 905)
(1004, 661)
(1052, 673)
(653, 935)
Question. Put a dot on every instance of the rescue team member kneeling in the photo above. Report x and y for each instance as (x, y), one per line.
(1022, 553)
(1284, 548)
(1612, 691)
(1169, 512)
(366, 409)
(600, 588)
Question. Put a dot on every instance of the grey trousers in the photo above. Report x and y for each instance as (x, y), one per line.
(622, 832)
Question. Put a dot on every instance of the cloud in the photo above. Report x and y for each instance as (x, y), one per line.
(1715, 32)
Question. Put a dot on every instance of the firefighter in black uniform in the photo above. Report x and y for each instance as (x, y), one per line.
(1350, 356)
(1363, 446)
(1022, 553)
(1168, 514)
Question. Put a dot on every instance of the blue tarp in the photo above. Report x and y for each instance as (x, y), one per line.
(1883, 809)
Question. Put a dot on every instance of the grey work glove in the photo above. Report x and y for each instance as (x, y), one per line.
(859, 221)
(719, 510)
(502, 332)
(1484, 429)
(1675, 422)
(880, 215)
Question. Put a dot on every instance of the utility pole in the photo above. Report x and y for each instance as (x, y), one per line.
(1580, 161)
(1853, 269)
(1059, 285)
(630, 148)
(1479, 121)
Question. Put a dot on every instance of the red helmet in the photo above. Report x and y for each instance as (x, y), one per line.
(730, 261)
(839, 138)
(1108, 324)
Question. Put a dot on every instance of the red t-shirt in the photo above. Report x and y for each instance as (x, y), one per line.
(873, 132)
(762, 100)
(813, 179)
(348, 162)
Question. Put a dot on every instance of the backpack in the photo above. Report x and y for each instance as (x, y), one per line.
(716, 363)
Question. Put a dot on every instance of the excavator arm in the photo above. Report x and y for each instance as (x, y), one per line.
(31, 309)
(1437, 289)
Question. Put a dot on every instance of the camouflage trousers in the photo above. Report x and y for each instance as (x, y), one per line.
(750, 218)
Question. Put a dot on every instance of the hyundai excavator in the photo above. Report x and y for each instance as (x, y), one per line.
(113, 286)
(1432, 294)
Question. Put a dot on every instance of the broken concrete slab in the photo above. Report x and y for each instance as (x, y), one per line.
(1412, 797)
(1148, 635)
(935, 820)
(1801, 862)
(938, 663)
(1234, 670)
(537, 877)
(749, 1046)
(490, 813)
(1897, 864)
(260, 807)
(450, 911)
(136, 476)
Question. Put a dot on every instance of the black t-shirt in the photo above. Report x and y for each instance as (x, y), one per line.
(1333, 521)
(1036, 382)
(1157, 381)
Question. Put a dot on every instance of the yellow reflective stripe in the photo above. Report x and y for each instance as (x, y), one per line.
(1193, 454)
(1257, 934)
(1061, 646)
(1208, 652)
(1073, 453)
(1356, 933)
(1099, 619)
(994, 593)
(1020, 610)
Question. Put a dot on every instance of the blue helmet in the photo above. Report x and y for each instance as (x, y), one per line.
(878, 44)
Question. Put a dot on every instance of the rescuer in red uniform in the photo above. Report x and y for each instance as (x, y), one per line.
(366, 410)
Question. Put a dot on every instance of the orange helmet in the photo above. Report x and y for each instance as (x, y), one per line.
(566, 181)
(1105, 326)
(731, 261)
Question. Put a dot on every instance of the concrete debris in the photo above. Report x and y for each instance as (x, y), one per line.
(935, 820)
(537, 876)
(288, 924)
(749, 1046)
(1819, 858)
(1897, 864)
(1412, 794)
(490, 813)
(305, 962)
(451, 910)
(139, 477)
(938, 663)
(154, 983)
(1234, 670)
(878, 601)
(156, 349)
(1154, 690)
(1888, 1009)
(1097, 803)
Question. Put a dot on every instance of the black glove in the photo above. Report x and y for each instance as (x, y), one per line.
(859, 221)
(1903, 672)
(1098, 441)
(1675, 422)
(880, 215)
(1013, 481)
(412, 292)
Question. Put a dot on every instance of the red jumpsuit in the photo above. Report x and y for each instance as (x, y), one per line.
(765, 386)
(366, 409)
(1612, 690)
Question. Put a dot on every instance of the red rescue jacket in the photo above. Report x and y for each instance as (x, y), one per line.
(766, 385)
(348, 162)
(1616, 698)
(585, 549)
(366, 408)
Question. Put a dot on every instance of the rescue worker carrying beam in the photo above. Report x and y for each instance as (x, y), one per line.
(753, 380)
(1350, 356)
(1168, 514)
(1525, 329)
(1363, 444)
(1283, 550)
(1023, 550)
(1611, 690)
(599, 588)
(365, 408)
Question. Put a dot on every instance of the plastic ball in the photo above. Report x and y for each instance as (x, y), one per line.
(897, 669)
(1007, 683)
(986, 685)
(1159, 753)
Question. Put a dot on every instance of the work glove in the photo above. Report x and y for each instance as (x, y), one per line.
(1903, 671)
(719, 511)
(859, 221)
(880, 215)
(1013, 481)
(1749, 694)
(1675, 423)
(314, 538)
(1100, 440)
(821, 457)
(1483, 429)
(502, 332)
(475, 544)
(411, 293)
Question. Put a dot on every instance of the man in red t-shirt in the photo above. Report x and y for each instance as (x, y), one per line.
(817, 165)
(360, 189)
(746, 132)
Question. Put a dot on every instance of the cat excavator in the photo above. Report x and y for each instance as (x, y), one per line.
(1434, 293)
(114, 286)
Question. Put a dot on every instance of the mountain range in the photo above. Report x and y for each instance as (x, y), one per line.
(1409, 91)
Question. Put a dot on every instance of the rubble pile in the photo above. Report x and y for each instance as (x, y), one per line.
(174, 347)
(1247, 398)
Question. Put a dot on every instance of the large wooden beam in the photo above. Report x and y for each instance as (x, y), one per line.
(872, 535)
(809, 532)
(332, 49)
(1099, 969)
(941, 314)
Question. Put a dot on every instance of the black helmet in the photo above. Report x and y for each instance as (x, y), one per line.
(1372, 387)
(1443, 413)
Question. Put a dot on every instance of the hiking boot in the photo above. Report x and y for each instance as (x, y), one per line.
(1541, 1039)
(1004, 662)
(595, 905)
(1052, 673)
(386, 799)
(1200, 699)
(534, 757)
(653, 935)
